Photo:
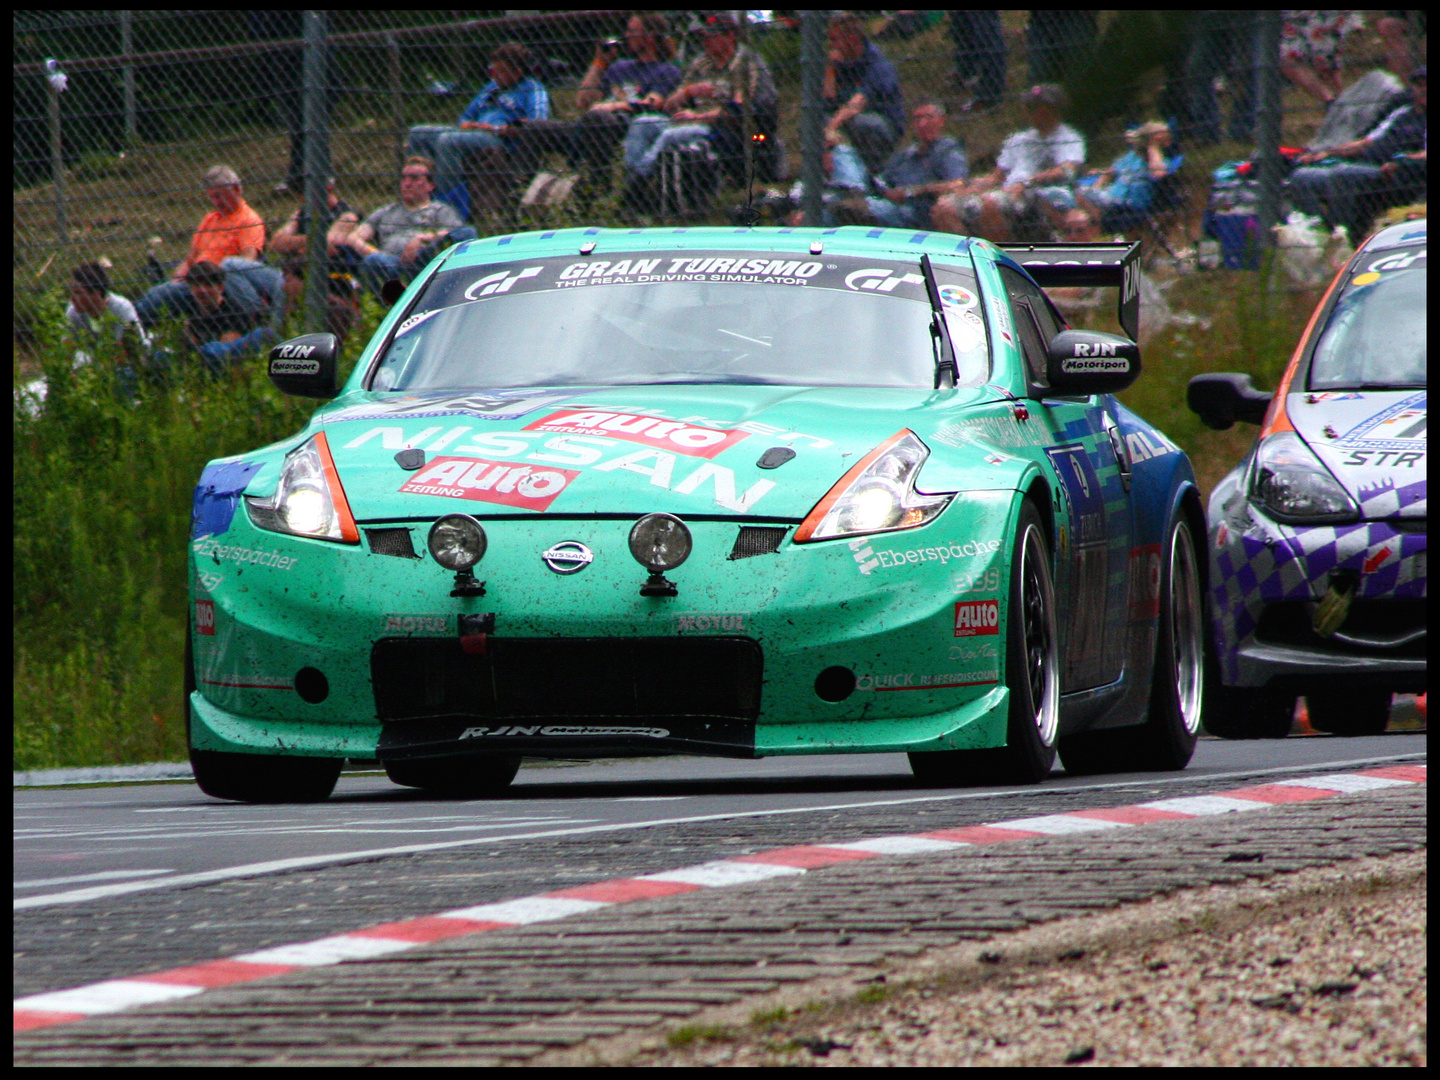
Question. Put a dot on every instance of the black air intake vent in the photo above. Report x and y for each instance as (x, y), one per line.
(758, 540)
(391, 542)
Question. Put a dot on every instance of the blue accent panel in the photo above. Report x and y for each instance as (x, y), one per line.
(503, 241)
(875, 234)
(592, 231)
(547, 235)
(217, 494)
(919, 238)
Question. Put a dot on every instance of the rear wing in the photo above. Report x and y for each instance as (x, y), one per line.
(1115, 265)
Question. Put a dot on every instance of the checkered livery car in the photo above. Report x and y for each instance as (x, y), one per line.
(1317, 538)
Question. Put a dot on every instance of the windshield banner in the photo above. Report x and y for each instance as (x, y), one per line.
(475, 284)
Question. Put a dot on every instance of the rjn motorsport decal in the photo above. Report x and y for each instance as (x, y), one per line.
(562, 732)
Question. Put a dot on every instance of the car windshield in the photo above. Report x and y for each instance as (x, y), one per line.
(683, 317)
(1375, 338)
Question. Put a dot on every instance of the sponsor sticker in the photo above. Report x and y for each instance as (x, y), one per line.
(941, 554)
(205, 617)
(957, 296)
(505, 483)
(1400, 427)
(974, 618)
(1095, 365)
(983, 650)
(672, 435)
(559, 731)
(1144, 576)
(294, 367)
(986, 581)
(207, 580)
(418, 624)
(711, 622)
(209, 548)
(909, 680)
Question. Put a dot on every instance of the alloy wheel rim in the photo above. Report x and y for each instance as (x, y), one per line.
(1037, 601)
(1186, 630)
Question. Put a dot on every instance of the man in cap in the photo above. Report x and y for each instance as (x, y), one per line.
(1030, 185)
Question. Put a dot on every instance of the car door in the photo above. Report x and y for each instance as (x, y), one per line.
(1095, 524)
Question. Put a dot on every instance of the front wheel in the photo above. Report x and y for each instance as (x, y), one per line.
(1359, 711)
(476, 776)
(1032, 673)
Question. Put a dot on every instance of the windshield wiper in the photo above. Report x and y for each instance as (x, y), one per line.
(945, 354)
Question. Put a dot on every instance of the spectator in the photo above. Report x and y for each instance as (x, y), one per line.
(716, 89)
(916, 174)
(1351, 183)
(863, 89)
(340, 221)
(617, 95)
(232, 236)
(979, 57)
(1120, 196)
(1310, 49)
(507, 101)
(1030, 186)
(222, 328)
(1396, 30)
(1218, 46)
(401, 237)
(342, 301)
(96, 314)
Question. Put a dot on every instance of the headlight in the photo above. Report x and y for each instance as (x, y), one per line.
(308, 499)
(660, 542)
(457, 542)
(877, 495)
(1291, 485)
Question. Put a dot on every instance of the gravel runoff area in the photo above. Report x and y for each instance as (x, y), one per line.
(1321, 967)
(602, 987)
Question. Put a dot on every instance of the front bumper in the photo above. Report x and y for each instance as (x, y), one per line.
(1258, 565)
(273, 612)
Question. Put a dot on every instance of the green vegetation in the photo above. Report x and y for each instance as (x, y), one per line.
(693, 1033)
(102, 511)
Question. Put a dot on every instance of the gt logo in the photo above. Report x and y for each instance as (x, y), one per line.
(880, 280)
(502, 281)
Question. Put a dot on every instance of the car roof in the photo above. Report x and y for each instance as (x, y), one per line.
(854, 240)
(1407, 232)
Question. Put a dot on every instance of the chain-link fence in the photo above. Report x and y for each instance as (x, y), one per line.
(1195, 131)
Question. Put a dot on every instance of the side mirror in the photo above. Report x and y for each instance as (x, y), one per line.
(306, 366)
(1090, 362)
(1219, 400)
(391, 291)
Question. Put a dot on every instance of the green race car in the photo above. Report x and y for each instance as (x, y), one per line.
(737, 492)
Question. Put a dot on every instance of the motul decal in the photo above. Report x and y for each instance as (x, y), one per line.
(205, 617)
(673, 435)
(975, 617)
(526, 486)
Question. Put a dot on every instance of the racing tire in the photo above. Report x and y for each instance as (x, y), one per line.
(1248, 713)
(255, 778)
(473, 776)
(1032, 673)
(1351, 712)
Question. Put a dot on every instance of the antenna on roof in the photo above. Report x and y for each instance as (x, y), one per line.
(748, 215)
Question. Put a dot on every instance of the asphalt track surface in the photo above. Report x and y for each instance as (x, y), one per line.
(111, 881)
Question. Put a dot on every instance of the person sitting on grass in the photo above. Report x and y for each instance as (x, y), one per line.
(397, 240)
(232, 236)
(1030, 186)
(222, 329)
(96, 314)
(917, 173)
(339, 221)
(510, 99)
(1120, 196)
(863, 90)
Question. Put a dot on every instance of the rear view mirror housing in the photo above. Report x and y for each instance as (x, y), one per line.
(1220, 399)
(306, 366)
(1091, 362)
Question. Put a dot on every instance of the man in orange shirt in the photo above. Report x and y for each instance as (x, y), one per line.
(232, 236)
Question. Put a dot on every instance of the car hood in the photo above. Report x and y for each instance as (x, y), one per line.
(1372, 441)
(685, 450)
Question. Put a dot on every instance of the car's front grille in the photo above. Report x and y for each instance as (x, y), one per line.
(758, 540)
(568, 678)
(391, 542)
(1371, 627)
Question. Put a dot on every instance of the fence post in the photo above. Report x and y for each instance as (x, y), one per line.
(57, 158)
(812, 115)
(317, 171)
(397, 102)
(127, 48)
(1267, 122)
(747, 109)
